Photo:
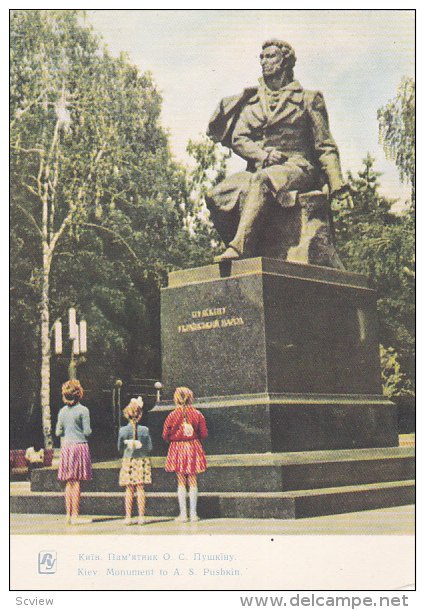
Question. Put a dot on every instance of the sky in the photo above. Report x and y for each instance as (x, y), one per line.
(356, 58)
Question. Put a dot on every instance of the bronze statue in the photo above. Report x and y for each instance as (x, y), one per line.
(282, 131)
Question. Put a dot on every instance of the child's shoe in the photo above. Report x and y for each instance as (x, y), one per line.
(194, 518)
(128, 521)
(141, 521)
(182, 519)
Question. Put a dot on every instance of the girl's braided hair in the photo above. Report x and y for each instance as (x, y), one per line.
(133, 412)
(183, 397)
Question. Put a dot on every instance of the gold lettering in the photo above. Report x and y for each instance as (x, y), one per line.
(214, 311)
(231, 322)
(195, 326)
(210, 324)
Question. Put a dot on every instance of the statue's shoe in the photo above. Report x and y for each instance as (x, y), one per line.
(228, 255)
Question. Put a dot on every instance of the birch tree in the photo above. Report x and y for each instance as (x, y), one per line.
(70, 142)
(397, 128)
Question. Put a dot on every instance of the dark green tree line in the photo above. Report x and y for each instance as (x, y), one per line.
(379, 243)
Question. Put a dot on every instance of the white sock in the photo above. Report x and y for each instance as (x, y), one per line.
(193, 499)
(181, 495)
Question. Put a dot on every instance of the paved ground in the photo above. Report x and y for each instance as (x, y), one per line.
(398, 521)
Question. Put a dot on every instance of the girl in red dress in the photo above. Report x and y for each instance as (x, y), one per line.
(184, 428)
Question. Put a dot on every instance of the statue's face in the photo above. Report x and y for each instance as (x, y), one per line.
(271, 60)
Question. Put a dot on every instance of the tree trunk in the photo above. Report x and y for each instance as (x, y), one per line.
(45, 351)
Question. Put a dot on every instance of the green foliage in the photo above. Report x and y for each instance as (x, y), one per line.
(394, 382)
(210, 169)
(373, 240)
(397, 130)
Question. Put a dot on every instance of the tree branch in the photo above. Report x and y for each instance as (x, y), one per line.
(30, 105)
(40, 173)
(117, 236)
(31, 217)
(53, 186)
(61, 229)
(31, 189)
(96, 159)
(39, 151)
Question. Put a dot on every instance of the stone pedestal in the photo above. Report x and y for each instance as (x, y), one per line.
(281, 357)
(283, 423)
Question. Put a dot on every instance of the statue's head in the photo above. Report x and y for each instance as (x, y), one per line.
(276, 58)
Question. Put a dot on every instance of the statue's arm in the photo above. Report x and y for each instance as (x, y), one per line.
(245, 135)
(324, 144)
(221, 124)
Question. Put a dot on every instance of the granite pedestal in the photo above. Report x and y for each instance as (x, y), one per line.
(281, 357)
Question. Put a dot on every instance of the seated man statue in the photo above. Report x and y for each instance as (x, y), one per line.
(282, 131)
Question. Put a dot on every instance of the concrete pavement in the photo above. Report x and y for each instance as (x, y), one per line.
(388, 521)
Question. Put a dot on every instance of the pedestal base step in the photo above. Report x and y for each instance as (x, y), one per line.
(269, 472)
(258, 505)
(283, 423)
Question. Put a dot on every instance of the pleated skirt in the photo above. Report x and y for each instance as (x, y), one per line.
(75, 462)
(186, 457)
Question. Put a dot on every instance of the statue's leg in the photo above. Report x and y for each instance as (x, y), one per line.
(225, 201)
(253, 210)
(268, 185)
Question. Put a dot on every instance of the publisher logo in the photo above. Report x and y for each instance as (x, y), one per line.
(47, 562)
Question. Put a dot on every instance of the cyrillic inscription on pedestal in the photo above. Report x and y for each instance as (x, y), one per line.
(270, 326)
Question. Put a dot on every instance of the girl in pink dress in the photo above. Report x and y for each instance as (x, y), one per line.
(184, 429)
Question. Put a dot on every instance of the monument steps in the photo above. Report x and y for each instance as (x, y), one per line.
(273, 505)
(263, 472)
(281, 486)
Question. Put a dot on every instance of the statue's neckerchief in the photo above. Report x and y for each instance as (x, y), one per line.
(271, 98)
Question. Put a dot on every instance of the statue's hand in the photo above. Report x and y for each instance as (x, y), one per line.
(345, 200)
(275, 157)
(343, 197)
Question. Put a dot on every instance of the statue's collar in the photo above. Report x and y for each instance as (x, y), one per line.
(282, 103)
(292, 86)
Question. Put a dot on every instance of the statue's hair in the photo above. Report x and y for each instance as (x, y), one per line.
(287, 51)
(72, 392)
